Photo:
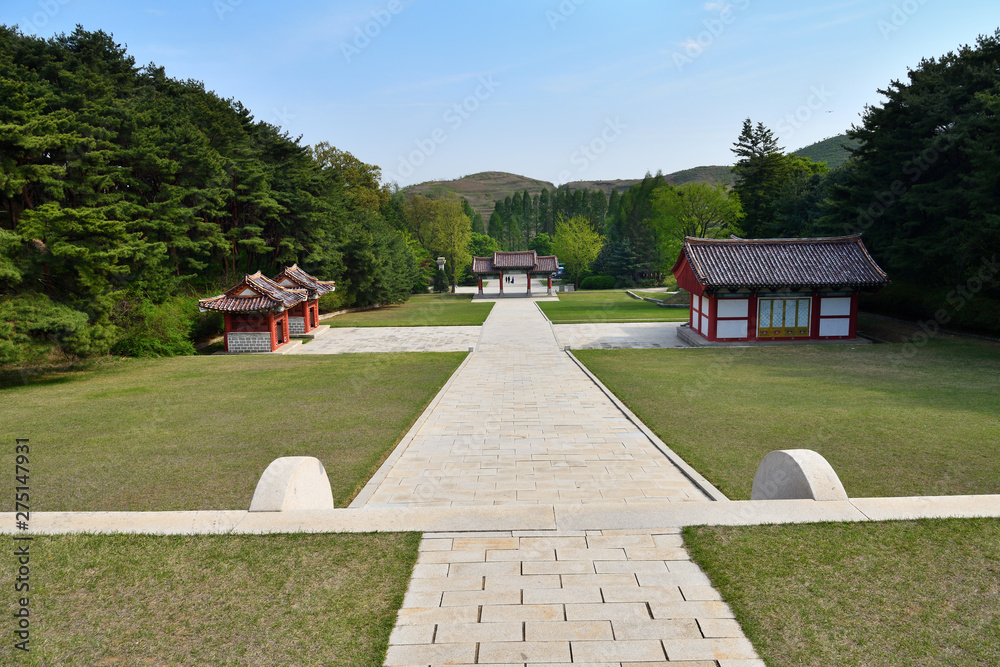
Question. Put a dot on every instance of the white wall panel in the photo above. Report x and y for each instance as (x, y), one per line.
(731, 329)
(733, 307)
(835, 306)
(840, 326)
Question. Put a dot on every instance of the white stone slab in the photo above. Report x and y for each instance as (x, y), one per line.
(929, 507)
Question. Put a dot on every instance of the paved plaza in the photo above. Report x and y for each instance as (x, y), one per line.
(392, 339)
(638, 335)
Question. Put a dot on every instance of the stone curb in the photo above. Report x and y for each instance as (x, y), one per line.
(696, 478)
(568, 517)
(369, 488)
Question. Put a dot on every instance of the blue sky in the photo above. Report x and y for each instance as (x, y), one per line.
(557, 90)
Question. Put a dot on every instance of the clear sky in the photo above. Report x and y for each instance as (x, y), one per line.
(557, 90)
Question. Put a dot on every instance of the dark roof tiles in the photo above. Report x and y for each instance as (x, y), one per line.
(821, 262)
(265, 295)
(316, 288)
(527, 260)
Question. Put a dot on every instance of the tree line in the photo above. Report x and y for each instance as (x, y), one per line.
(125, 194)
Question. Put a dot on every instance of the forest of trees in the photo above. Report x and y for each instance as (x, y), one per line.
(126, 194)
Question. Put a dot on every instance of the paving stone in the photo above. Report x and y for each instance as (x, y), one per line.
(623, 650)
(494, 652)
(457, 633)
(610, 611)
(642, 594)
(412, 634)
(464, 598)
(690, 610)
(562, 595)
(558, 567)
(700, 593)
(568, 631)
(684, 628)
(523, 612)
(517, 582)
(710, 649)
(603, 580)
(719, 627)
(424, 654)
(429, 615)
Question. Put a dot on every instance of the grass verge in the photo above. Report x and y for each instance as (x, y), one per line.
(422, 310)
(890, 423)
(193, 433)
(894, 593)
(607, 306)
(212, 600)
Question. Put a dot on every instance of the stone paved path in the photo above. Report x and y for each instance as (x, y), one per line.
(612, 597)
(521, 423)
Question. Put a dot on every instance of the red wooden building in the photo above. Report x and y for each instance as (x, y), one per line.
(257, 313)
(776, 289)
(304, 317)
(506, 263)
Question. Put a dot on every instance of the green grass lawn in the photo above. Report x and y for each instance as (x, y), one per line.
(422, 310)
(211, 600)
(893, 593)
(607, 306)
(889, 424)
(195, 433)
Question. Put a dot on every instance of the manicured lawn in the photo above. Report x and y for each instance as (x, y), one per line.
(894, 593)
(195, 433)
(211, 600)
(890, 424)
(607, 306)
(422, 310)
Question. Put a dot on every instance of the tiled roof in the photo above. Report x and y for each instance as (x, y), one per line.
(316, 288)
(267, 295)
(527, 260)
(841, 261)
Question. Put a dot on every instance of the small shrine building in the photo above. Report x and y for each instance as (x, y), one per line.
(776, 289)
(262, 314)
(304, 317)
(506, 263)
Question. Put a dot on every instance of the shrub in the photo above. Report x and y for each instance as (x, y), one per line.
(153, 330)
(598, 282)
(33, 327)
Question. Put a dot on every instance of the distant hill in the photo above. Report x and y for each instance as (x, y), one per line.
(830, 150)
(485, 188)
(482, 189)
(705, 174)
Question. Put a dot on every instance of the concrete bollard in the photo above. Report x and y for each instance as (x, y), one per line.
(796, 473)
(293, 483)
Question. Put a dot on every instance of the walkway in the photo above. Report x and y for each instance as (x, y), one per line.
(392, 339)
(519, 422)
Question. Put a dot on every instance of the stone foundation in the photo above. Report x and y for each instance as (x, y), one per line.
(296, 325)
(249, 341)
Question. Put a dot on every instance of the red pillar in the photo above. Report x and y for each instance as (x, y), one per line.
(529, 283)
(271, 331)
(480, 284)
(752, 319)
(501, 282)
(853, 330)
(814, 316)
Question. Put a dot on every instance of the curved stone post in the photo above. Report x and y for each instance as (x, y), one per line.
(293, 483)
(796, 473)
